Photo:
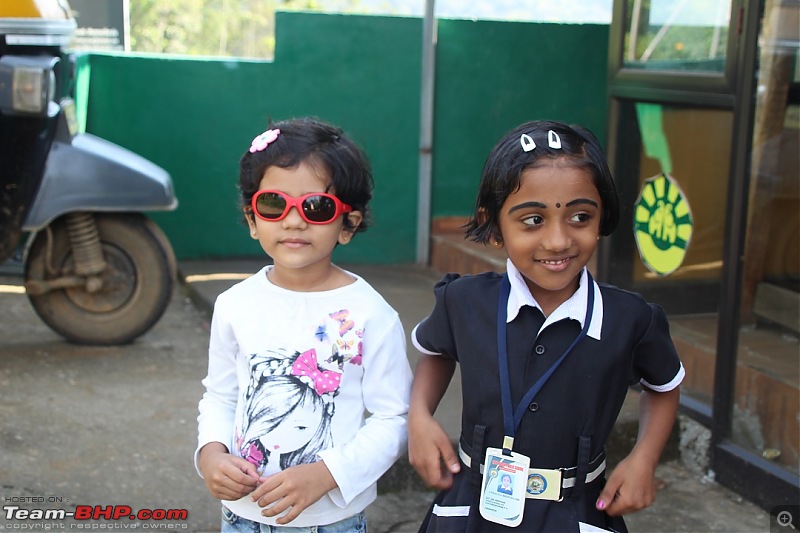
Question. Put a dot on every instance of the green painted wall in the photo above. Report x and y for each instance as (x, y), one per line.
(492, 76)
(195, 117)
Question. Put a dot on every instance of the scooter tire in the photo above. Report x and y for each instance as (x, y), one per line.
(137, 283)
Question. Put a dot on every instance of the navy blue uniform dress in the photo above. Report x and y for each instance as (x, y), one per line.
(568, 422)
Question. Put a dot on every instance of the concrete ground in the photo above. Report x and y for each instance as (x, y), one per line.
(115, 426)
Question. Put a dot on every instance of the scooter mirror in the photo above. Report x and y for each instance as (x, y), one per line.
(27, 84)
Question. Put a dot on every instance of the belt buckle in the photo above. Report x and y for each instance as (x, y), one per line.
(544, 484)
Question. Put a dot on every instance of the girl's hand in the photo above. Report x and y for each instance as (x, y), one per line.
(227, 477)
(430, 451)
(295, 489)
(630, 487)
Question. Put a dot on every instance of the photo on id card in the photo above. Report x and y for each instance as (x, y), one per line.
(503, 487)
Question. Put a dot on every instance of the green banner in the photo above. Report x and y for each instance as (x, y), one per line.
(651, 126)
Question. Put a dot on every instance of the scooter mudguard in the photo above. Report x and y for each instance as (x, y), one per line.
(88, 173)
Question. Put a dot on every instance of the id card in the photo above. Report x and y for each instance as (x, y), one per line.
(503, 487)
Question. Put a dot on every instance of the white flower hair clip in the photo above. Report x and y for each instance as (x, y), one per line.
(527, 142)
(263, 140)
(553, 141)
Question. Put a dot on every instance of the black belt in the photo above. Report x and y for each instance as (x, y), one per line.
(569, 475)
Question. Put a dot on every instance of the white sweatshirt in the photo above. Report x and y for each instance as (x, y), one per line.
(290, 377)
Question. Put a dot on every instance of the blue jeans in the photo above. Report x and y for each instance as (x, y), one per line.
(232, 523)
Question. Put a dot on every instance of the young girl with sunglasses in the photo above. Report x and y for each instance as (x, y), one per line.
(546, 354)
(302, 349)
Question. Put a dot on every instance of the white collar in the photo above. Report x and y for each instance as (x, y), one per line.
(574, 308)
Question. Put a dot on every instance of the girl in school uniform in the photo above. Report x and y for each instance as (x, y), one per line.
(546, 354)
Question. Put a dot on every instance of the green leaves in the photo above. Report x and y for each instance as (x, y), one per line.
(227, 28)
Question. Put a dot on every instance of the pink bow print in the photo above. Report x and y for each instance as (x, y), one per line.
(263, 140)
(324, 381)
(252, 454)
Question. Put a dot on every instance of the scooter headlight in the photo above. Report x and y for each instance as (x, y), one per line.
(31, 90)
(27, 85)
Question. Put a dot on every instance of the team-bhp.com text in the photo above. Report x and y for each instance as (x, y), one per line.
(86, 517)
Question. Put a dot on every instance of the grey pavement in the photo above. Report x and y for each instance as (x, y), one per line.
(116, 425)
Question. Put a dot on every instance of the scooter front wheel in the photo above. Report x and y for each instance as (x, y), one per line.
(136, 287)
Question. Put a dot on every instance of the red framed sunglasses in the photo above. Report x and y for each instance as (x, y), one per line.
(314, 208)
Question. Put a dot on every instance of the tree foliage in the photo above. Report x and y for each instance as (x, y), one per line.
(230, 28)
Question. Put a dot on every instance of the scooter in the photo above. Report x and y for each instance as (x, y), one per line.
(97, 270)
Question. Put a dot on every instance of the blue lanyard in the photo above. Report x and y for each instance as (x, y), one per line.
(511, 422)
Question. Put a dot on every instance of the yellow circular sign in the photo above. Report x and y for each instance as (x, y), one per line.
(662, 224)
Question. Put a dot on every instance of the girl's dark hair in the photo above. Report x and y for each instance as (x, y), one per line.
(508, 160)
(322, 145)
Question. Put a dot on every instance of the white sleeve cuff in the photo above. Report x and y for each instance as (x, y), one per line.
(200, 447)
(417, 344)
(668, 386)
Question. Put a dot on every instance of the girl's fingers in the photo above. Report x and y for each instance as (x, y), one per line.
(291, 515)
(280, 505)
(259, 494)
(247, 468)
(449, 456)
(609, 494)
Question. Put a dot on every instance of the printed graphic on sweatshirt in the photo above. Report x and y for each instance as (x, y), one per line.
(289, 402)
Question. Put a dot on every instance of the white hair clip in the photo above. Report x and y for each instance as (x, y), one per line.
(553, 140)
(526, 142)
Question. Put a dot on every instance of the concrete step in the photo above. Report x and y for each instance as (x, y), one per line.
(452, 252)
